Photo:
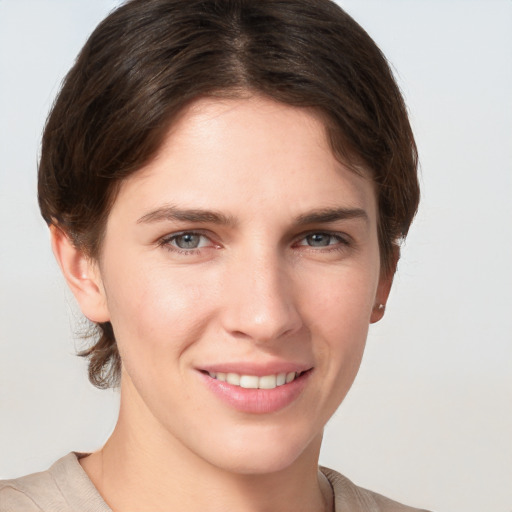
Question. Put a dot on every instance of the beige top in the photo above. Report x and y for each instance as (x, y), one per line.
(65, 487)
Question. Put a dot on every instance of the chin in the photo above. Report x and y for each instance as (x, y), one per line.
(262, 464)
(264, 455)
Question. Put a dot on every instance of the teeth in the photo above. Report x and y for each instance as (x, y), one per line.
(233, 378)
(254, 382)
(267, 382)
(249, 381)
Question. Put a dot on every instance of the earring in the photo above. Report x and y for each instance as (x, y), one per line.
(380, 307)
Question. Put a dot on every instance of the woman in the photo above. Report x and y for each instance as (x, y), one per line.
(226, 184)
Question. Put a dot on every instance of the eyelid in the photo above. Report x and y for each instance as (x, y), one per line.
(166, 240)
(343, 238)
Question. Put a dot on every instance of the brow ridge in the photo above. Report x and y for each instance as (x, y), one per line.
(170, 213)
(321, 216)
(326, 215)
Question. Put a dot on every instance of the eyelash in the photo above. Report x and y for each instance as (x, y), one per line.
(342, 242)
(167, 241)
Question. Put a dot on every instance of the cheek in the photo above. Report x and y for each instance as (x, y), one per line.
(338, 307)
(339, 301)
(155, 312)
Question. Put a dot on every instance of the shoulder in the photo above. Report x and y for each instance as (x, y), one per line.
(38, 491)
(64, 487)
(349, 496)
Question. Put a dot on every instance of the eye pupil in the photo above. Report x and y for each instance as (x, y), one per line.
(187, 241)
(318, 240)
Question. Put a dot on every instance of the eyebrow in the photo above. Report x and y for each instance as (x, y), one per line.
(322, 216)
(170, 213)
(327, 215)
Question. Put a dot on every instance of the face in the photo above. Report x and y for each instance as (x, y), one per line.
(240, 271)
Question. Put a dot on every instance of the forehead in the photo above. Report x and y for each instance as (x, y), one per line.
(247, 153)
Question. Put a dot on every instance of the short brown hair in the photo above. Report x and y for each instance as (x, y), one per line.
(150, 58)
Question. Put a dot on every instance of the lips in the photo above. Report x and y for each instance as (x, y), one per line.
(255, 390)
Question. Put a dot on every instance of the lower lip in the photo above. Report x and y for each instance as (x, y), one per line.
(257, 401)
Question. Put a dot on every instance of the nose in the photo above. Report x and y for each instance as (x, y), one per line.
(260, 303)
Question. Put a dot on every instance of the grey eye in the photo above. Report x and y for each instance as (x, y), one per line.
(188, 241)
(319, 240)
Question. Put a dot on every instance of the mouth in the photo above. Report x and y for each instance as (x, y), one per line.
(256, 394)
(270, 381)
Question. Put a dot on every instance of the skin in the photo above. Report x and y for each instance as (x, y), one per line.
(260, 288)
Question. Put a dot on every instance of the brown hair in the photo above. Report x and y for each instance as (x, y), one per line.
(149, 58)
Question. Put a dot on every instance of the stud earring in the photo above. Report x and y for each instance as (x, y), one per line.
(380, 307)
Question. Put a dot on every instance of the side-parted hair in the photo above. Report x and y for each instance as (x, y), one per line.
(149, 59)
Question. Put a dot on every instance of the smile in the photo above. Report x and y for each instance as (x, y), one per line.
(253, 381)
(257, 394)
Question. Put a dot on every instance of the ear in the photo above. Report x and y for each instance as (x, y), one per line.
(82, 275)
(383, 289)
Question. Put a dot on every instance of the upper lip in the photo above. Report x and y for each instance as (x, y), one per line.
(258, 370)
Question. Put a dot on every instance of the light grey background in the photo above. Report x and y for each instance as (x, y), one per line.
(429, 420)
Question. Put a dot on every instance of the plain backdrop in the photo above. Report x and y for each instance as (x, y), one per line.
(429, 419)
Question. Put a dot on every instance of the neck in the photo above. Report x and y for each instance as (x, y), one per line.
(143, 467)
